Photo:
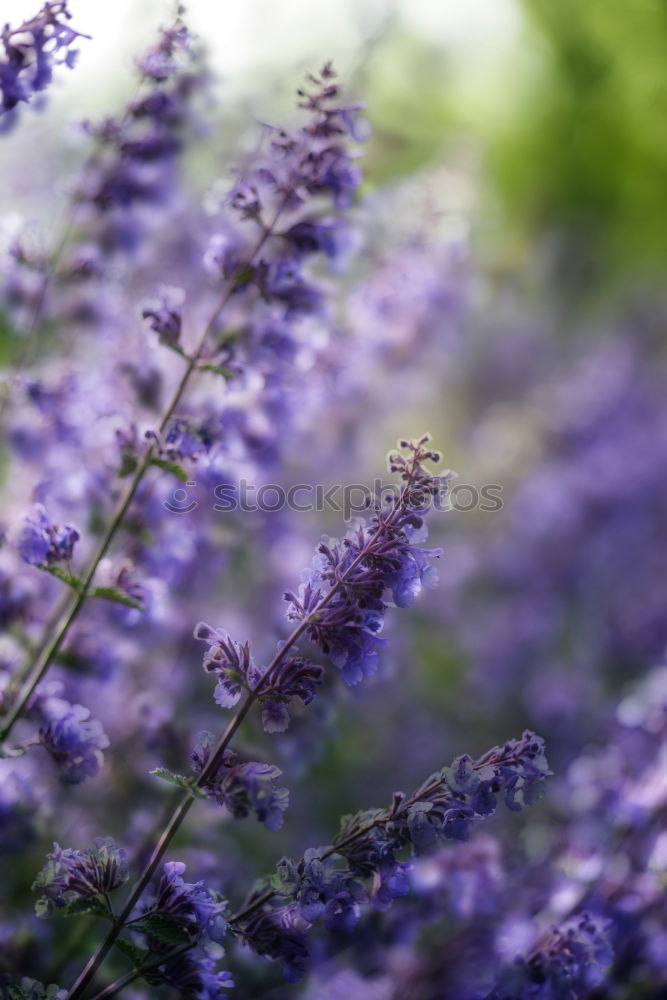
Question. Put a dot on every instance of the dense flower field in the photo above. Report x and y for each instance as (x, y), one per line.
(242, 756)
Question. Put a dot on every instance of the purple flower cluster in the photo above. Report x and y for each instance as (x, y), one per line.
(570, 964)
(276, 920)
(244, 788)
(71, 875)
(32, 50)
(343, 600)
(72, 739)
(44, 543)
(236, 671)
(133, 150)
(188, 905)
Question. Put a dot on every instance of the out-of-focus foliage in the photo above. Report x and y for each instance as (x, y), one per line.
(583, 158)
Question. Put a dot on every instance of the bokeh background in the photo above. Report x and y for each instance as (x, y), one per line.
(507, 295)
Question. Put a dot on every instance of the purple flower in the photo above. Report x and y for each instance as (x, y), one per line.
(71, 874)
(355, 575)
(195, 909)
(231, 661)
(72, 738)
(236, 671)
(194, 975)
(569, 964)
(282, 281)
(323, 236)
(42, 542)
(243, 788)
(164, 313)
(32, 50)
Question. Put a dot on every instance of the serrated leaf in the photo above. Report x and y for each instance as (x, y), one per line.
(136, 955)
(162, 928)
(118, 596)
(180, 780)
(226, 373)
(89, 905)
(173, 467)
(74, 582)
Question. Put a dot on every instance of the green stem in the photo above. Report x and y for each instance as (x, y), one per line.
(49, 652)
(212, 767)
(130, 977)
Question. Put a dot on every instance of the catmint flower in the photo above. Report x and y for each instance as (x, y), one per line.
(236, 671)
(283, 281)
(571, 963)
(42, 542)
(189, 905)
(70, 875)
(164, 313)
(74, 740)
(136, 150)
(329, 884)
(243, 788)
(317, 236)
(194, 976)
(32, 50)
(371, 562)
(278, 934)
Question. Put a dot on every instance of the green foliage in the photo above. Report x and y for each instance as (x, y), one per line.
(585, 155)
(186, 782)
(118, 596)
(173, 467)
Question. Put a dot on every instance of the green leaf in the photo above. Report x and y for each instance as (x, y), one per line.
(136, 955)
(176, 349)
(244, 276)
(181, 780)
(173, 467)
(118, 596)
(128, 464)
(78, 907)
(226, 373)
(75, 582)
(162, 928)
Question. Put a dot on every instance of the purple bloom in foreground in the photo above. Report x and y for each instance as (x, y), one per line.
(356, 575)
(69, 875)
(42, 542)
(194, 908)
(72, 738)
(569, 964)
(244, 788)
(32, 50)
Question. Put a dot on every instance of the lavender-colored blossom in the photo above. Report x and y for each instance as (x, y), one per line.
(353, 577)
(189, 905)
(570, 964)
(194, 975)
(73, 740)
(328, 883)
(32, 50)
(164, 313)
(42, 542)
(244, 788)
(236, 671)
(70, 875)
